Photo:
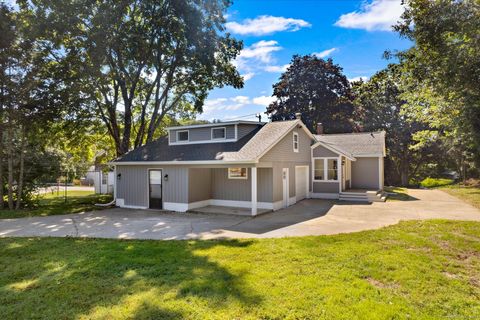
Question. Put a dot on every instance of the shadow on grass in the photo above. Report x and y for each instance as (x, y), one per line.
(58, 205)
(116, 279)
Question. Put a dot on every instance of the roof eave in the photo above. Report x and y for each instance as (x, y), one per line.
(182, 162)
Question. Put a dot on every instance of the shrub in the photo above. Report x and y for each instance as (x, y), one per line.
(435, 182)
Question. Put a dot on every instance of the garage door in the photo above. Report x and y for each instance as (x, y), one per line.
(301, 182)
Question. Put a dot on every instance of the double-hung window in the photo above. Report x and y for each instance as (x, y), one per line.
(182, 136)
(325, 169)
(218, 133)
(295, 142)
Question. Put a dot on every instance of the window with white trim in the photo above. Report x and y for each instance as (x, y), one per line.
(295, 142)
(182, 135)
(237, 173)
(325, 169)
(218, 133)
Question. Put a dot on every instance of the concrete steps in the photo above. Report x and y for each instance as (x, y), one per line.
(367, 196)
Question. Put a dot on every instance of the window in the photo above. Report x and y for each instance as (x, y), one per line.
(325, 169)
(319, 173)
(182, 135)
(332, 169)
(237, 173)
(218, 133)
(104, 177)
(295, 142)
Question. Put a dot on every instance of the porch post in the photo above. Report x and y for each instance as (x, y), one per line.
(339, 174)
(254, 191)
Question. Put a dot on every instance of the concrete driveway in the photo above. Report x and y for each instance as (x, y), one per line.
(308, 217)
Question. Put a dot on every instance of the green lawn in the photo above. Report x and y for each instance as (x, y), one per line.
(467, 194)
(52, 204)
(413, 270)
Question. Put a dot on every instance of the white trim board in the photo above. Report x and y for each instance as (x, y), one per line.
(121, 203)
(201, 141)
(218, 124)
(144, 163)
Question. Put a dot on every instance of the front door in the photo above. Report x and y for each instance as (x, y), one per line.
(155, 189)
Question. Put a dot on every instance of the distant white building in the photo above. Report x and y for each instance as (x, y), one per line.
(97, 176)
(101, 181)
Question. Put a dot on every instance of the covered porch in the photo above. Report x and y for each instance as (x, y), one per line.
(234, 189)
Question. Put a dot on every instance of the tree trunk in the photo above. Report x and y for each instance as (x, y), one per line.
(21, 173)
(404, 175)
(10, 161)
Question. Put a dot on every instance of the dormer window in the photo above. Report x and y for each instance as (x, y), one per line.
(182, 136)
(218, 133)
(295, 142)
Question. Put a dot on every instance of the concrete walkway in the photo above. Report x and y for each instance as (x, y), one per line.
(308, 217)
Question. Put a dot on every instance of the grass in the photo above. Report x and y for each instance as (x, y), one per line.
(413, 270)
(54, 204)
(468, 194)
(398, 194)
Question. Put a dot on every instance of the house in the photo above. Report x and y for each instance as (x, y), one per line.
(249, 165)
(99, 175)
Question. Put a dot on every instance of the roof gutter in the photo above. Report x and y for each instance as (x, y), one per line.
(208, 162)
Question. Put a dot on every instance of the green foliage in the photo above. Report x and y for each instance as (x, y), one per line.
(318, 90)
(444, 61)
(411, 148)
(137, 63)
(413, 270)
(435, 182)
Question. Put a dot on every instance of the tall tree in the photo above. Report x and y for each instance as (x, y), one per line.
(318, 90)
(30, 98)
(381, 104)
(139, 61)
(446, 59)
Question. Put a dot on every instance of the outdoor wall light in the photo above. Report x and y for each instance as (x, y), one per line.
(165, 177)
(119, 176)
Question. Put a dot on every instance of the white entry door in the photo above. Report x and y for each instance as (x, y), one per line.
(285, 184)
(301, 182)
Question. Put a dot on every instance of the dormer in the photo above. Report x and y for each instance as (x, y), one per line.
(218, 132)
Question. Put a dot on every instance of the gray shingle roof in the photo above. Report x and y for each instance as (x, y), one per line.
(356, 144)
(270, 134)
(249, 148)
(159, 150)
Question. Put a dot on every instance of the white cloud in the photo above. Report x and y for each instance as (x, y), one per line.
(364, 78)
(263, 25)
(377, 15)
(257, 54)
(263, 100)
(219, 104)
(241, 99)
(277, 68)
(325, 53)
(248, 76)
(261, 50)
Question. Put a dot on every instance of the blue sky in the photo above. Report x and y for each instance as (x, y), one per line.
(354, 33)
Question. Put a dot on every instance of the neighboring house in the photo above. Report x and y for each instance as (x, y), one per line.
(103, 182)
(250, 165)
(101, 177)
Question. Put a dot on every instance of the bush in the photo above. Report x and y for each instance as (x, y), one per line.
(435, 182)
